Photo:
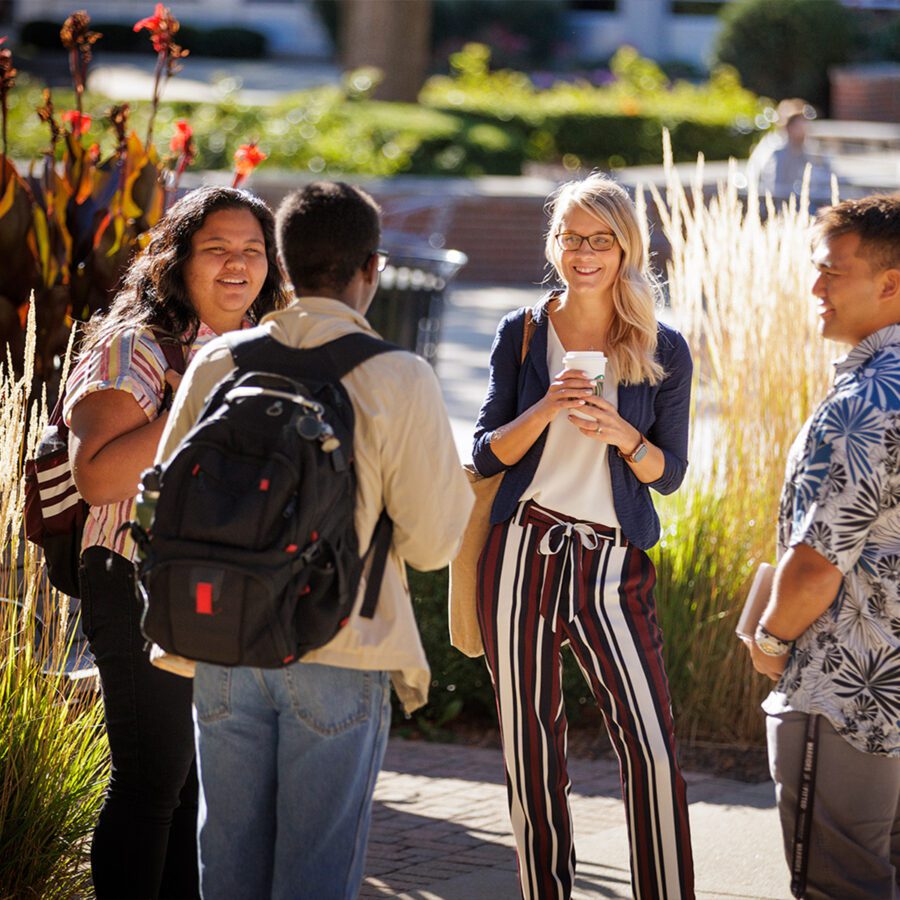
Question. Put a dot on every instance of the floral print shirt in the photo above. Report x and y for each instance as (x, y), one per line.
(841, 497)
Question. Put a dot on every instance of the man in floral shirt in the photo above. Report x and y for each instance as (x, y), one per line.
(830, 635)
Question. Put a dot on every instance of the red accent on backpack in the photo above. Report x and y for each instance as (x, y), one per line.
(204, 598)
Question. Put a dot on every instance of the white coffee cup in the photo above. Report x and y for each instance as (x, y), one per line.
(591, 361)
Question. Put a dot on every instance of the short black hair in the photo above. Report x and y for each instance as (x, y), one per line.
(876, 219)
(326, 231)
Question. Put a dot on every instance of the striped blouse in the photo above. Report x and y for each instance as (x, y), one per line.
(132, 362)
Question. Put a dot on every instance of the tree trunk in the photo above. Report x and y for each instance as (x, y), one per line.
(392, 35)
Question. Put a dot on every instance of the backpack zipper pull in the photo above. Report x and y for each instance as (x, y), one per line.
(329, 442)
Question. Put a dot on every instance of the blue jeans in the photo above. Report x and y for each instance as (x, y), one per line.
(288, 760)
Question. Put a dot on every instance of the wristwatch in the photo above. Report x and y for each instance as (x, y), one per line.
(637, 454)
(769, 644)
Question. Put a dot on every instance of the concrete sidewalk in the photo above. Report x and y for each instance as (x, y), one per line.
(440, 830)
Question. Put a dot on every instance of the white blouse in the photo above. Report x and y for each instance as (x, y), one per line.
(573, 475)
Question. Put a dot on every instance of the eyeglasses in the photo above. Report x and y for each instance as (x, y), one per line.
(568, 240)
(382, 256)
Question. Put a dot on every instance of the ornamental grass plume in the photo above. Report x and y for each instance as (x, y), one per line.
(53, 754)
(739, 284)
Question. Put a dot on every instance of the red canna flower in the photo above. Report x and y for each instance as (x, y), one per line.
(78, 122)
(182, 145)
(246, 158)
(152, 23)
(162, 26)
(182, 138)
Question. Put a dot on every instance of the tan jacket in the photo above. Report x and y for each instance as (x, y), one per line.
(405, 458)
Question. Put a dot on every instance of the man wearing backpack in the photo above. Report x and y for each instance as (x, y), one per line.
(289, 756)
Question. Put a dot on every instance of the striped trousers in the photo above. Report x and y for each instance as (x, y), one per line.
(545, 579)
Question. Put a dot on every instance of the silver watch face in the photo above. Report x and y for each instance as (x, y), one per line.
(640, 453)
(771, 645)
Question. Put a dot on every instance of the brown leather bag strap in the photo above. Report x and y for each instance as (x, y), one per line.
(527, 334)
(173, 352)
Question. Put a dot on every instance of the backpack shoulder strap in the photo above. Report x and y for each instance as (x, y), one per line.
(378, 550)
(254, 349)
(344, 354)
(248, 345)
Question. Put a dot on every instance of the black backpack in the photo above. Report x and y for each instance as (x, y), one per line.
(251, 557)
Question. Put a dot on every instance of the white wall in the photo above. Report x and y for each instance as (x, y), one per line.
(646, 25)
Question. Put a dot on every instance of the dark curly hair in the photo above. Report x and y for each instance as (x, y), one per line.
(153, 292)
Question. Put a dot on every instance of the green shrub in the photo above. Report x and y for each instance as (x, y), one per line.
(886, 39)
(783, 48)
(120, 37)
(520, 34)
(461, 686)
(615, 125)
(229, 43)
(40, 33)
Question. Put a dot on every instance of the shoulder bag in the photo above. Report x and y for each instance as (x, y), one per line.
(465, 633)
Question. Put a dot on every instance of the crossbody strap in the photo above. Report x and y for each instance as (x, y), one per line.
(173, 351)
(527, 334)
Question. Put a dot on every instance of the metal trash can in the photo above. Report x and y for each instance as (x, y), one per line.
(408, 306)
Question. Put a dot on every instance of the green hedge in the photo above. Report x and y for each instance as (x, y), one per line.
(615, 125)
(460, 686)
(120, 37)
(783, 48)
(477, 122)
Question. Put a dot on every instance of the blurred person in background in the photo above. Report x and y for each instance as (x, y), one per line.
(778, 162)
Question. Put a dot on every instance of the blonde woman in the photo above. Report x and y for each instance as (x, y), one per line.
(566, 558)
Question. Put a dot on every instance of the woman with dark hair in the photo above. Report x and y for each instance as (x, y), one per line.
(565, 561)
(210, 266)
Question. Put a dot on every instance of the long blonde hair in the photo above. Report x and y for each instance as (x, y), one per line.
(632, 334)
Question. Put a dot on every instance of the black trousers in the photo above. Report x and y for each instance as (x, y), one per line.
(145, 844)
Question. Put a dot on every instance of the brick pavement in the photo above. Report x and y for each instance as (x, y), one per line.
(440, 830)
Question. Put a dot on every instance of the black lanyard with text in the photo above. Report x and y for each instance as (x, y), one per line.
(805, 795)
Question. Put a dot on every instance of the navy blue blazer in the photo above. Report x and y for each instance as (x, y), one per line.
(661, 412)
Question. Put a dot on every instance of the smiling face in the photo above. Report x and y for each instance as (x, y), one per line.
(226, 268)
(848, 290)
(587, 271)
